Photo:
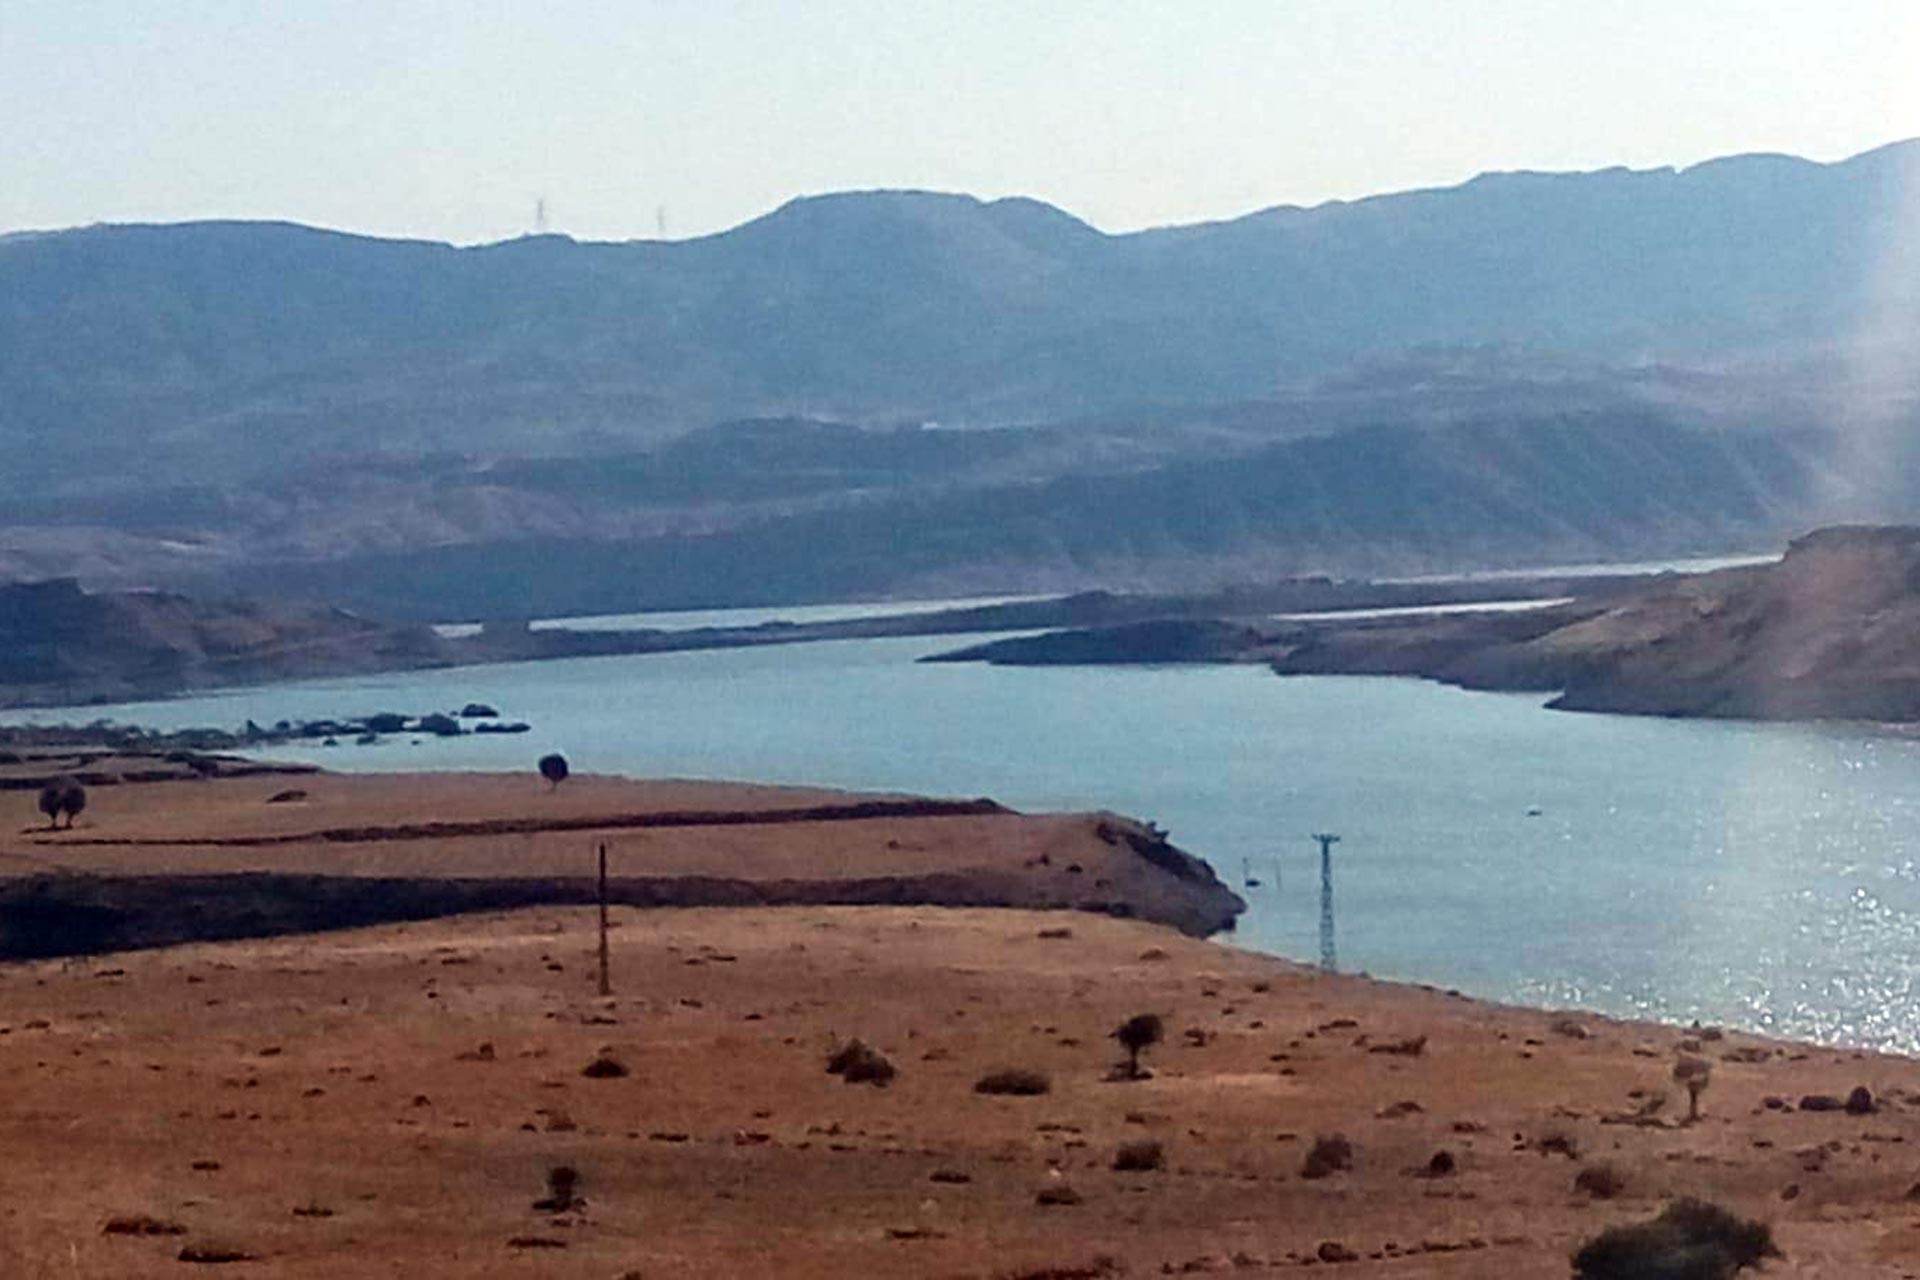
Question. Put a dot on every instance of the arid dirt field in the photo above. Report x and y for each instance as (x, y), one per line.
(388, 1101)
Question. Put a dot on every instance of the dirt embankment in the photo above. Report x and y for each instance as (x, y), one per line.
(242, 855)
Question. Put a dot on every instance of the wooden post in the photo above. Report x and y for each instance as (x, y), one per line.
(606, 981)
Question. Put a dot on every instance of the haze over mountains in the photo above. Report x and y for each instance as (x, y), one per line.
(1523, 368)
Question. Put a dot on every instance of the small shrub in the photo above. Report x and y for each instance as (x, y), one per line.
(213, 1253)
(604, 1067)
(141, 1224)
(1015, 1082)
(1690, 1240)
(1600, 1180)
(1142, 1156)
(856, 1062)
(1558, 1142)
(1330, 1153)
(554, 769)
(1860, 1101)
(1058, 1193)
(1411, 1047)
(563, 1190)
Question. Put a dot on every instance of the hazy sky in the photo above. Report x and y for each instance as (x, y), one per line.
(447, 120)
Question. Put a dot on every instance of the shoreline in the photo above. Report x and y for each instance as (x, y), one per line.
(197, 852)
(349, 646)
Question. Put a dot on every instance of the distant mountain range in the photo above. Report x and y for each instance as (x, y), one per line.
(1366, 501)
(1354, 384)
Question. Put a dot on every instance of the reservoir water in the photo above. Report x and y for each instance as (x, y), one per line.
(1765, 876)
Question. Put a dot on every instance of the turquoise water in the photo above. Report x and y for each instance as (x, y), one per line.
(1756, 875)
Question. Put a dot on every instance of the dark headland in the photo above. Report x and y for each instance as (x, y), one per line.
(61, 645)
(1831, 631)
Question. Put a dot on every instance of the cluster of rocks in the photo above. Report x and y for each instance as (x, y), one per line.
(367, 730)
(133, 739)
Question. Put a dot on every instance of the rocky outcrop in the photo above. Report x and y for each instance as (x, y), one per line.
(1159, 640)
(1832, 631)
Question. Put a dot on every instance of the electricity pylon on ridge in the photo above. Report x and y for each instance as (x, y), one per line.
(1328, 959)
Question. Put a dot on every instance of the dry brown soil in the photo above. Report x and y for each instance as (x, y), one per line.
(325, 1105)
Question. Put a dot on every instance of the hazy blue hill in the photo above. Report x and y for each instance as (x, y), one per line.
(1524, 366)
(1739, 253)
(232, 344)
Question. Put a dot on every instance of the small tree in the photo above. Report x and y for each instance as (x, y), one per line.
(1693, 1074)
(72, 801)
(62, 795)
(554, 769)
(1137, 1034)
(50, 803)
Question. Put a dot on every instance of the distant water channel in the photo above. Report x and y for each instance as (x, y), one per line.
(1756, 875)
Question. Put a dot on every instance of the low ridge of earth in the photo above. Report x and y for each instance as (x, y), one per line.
(393, 1101)
(234, 851)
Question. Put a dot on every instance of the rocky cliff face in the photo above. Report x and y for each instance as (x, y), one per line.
(1830, 631)
(1833, 630)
